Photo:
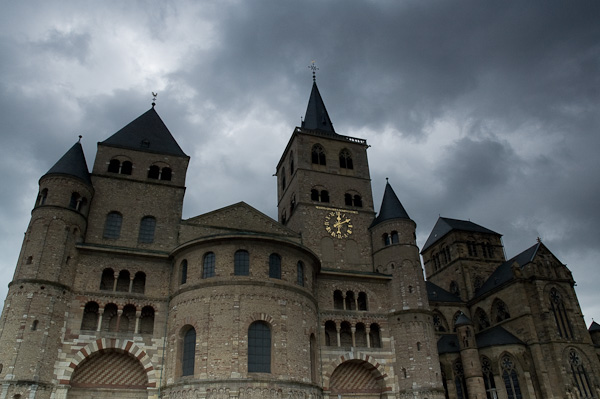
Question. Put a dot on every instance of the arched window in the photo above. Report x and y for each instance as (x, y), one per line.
(165, 174)
(126, 168)
(241, 263)
(188, 353)
(41, 198)
(291, 163)
(75, 201)
(147, 320)
(357, 201)
(386, 239)
(488, 378)
(127, 319)
(375, 336)
(313, 358)
(580, 376)
(300, 273)
(345, 334)
(346, 159)
(560, 314)
(330, 333)
(510, 378)
(477, 282)
(274, 266)
(500, 310)
(139, 283)
(362, 301)
(324, 196)
(282, 178)
(292, 203)
(112, 226)
(318, 155)
(348, 199)
(208, 266)
(114, 166)
(109, 318)
(338, 300)
(183, 270)
(439, 322)
(259, 347)
(123, 281)
(481, 319)
(89, 321)
(459, 381)
(153, 172)
(314, 195)
(350, 304)
(360, 335)
(147, 227)
(394, 237)
(107, 282)
(283, 217)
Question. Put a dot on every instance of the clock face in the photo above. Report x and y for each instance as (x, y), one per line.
(337, 224)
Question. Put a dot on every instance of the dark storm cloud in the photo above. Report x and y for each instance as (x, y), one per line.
(474, 110)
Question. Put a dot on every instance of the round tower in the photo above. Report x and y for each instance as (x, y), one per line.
(469, 356)
(38, 295)
(395, 252)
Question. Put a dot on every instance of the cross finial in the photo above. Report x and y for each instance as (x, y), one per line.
(539, 239)
(314, 70)
(154, 95)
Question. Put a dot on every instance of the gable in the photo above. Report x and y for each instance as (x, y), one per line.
(239, 218)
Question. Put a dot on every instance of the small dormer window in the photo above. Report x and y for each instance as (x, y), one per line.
(145, 143)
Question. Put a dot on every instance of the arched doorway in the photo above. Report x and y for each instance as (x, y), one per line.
(109, 373)
(356, 379)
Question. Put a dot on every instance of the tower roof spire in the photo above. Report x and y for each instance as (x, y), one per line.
(316, 117)
(72, 164)
(391, 207)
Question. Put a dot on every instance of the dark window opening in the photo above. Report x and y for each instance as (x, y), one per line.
(338, 300)
(208, 267)
(375, 336)
(274, 266)
(147, 228)
(153, 172)
(362, 301)
(41, 198)
(89, 321)
(346, 160)
(183, 268)
(147, 320)
(126, 168)
(114, 166)
(330, 333)
(357, 201)
(139, 283)
(123, 281)
(324, 196)
(259, 348)
(348, 199)
(394, 237)
(300, 274)
(165, 174)
(350, 304)
(188, 352)
(318, 155)
(241, 263)
(107, 282)
(112, 226)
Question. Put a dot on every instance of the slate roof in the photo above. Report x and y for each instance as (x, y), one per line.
(504, 272)
(391, 207)
(316, 117)
(448, 343)
(436, 293)
(496, 336)
(72, 164)
(148, 128)
(462, 320)
(446, 225)
(594, 327)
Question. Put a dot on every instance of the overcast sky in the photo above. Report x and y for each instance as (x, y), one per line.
(487, 111)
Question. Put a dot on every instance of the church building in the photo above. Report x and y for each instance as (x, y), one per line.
(116, 296)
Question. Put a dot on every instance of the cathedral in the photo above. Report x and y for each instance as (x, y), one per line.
(115, 296)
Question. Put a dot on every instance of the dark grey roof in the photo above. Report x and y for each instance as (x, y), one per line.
(448, 343)
(436, 293)
(594, 327)
(391, 207)
(72, 164)
(316, 117)
(463, 320)
(146, 133)
(496, 336)
(446, 225)
(504, 272)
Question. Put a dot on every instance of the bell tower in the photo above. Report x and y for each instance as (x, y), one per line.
(324, 190)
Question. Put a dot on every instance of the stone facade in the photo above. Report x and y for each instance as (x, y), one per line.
(115, 296)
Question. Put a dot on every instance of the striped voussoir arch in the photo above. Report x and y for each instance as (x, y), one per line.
(103, 344)
(375, 368)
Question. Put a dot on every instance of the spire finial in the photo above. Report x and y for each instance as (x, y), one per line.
(387, 179)
(539, 240)
(314, 69)
(80, 136)
(154, 99)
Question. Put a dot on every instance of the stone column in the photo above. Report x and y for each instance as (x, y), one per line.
(100, 313)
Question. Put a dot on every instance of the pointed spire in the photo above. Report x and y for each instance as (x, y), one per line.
(391, 207)
(316, 117)
(72, 164)
(146, 133)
